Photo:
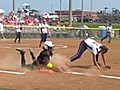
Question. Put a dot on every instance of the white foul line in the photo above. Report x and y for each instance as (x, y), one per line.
(103, 76)
(112, 77)
(12, 72)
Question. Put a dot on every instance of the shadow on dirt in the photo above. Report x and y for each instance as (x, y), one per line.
(82, 67)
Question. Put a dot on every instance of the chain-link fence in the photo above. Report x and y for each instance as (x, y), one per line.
(81, 33)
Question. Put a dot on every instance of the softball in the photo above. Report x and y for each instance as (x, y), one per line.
(49, 66)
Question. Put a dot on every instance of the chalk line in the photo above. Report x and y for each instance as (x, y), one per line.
(88, 74)
(60, 47)
(12, 72)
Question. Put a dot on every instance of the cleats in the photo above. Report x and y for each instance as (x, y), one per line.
(20, 50)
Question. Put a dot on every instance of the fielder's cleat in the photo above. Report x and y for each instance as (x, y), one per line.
(20, 50)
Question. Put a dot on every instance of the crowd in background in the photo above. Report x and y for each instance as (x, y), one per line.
(14, 18)
(26, 16)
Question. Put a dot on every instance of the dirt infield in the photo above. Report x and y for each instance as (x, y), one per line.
(34, 80)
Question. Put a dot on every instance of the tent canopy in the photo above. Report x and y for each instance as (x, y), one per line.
(2, 11)
(26, 4)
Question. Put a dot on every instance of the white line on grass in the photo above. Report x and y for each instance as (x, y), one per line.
(103, 76)
(12, 72)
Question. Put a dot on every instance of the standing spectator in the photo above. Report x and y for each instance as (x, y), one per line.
(44, 31)
(108, 33)
(66, 24)
(57, 22)
(18, 32)
(1, 29)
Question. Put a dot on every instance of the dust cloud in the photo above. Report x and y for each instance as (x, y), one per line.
(60, 62)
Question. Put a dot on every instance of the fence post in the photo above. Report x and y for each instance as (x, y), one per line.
(119, 33)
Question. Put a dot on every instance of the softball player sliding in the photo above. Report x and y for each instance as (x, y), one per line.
(42, 59)
(95, 48)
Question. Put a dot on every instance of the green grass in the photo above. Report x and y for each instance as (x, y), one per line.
(95, 25)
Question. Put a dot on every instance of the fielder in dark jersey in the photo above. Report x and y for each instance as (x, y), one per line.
(42, 59)
(95, 48)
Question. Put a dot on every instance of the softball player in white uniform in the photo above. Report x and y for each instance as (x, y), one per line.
(44, 31)
(94, 47)
(108, 33)
(2, 30)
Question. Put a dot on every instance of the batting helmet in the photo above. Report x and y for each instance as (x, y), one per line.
(48, 45)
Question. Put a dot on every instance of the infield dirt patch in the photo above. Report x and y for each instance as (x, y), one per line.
(33, 80)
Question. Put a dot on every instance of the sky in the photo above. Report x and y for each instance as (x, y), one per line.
(52, 5)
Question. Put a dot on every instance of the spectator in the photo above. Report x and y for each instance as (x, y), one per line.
(58, 22)
(66, 24)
